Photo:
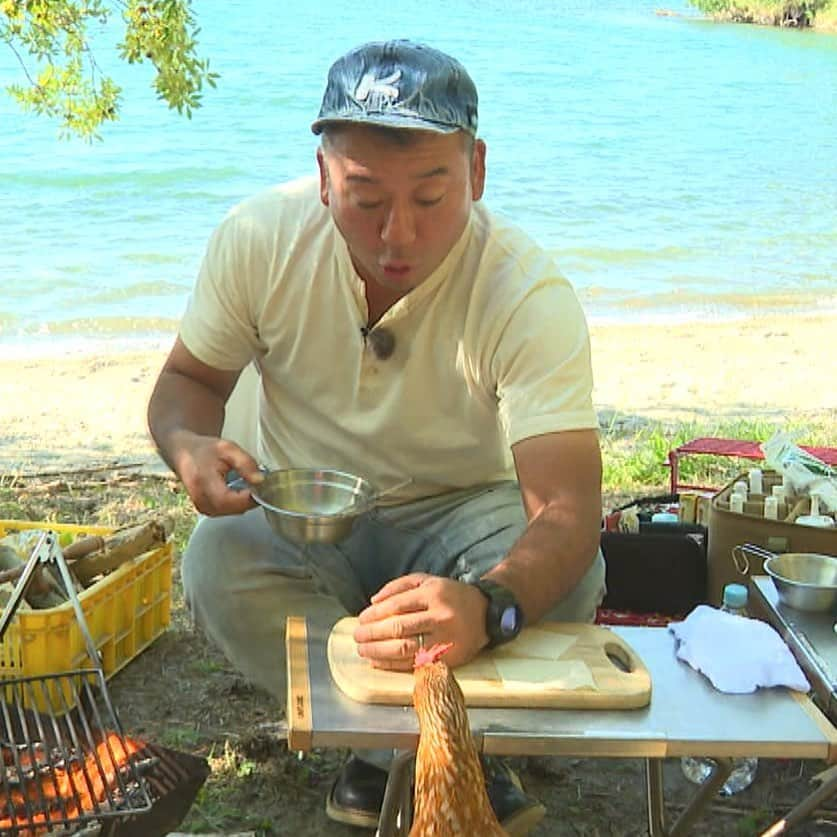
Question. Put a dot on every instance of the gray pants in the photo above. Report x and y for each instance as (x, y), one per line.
(242, 581)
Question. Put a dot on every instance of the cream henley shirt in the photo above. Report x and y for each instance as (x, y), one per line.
(490, 349)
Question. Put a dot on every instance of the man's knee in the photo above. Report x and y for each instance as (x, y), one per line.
(206, 560)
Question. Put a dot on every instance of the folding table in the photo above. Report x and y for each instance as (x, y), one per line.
(686, 717)
(714, 446)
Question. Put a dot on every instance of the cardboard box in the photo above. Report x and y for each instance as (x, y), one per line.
(730, 529)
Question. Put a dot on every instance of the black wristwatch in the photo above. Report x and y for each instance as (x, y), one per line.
(503, 618)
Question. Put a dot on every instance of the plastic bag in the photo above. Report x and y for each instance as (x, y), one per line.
(805, 473)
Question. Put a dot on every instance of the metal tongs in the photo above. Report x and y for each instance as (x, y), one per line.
(47, 550)
(72, 719)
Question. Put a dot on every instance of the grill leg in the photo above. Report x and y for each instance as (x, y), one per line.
(674, 464)
(826, 790)
(397, 797)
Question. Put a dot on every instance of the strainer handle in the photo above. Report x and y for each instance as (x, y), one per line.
(236, 482)
(740, 559)
(392, 489)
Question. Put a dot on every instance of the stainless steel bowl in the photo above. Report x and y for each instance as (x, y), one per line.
(804, 580)
(313, 505)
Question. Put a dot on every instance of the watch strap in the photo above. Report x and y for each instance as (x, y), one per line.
(503, 616)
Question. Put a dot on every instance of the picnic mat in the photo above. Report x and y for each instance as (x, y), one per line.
(551, 665)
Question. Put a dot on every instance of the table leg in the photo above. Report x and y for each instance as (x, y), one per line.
(800, 812)
(674, 464)
(396, 811)
(655, 802)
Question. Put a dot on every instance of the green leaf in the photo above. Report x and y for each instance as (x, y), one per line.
(61, 79)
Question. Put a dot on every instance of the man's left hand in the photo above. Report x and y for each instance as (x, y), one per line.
(421, 609)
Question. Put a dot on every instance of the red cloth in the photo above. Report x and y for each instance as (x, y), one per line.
(606, 616)
(747, 450)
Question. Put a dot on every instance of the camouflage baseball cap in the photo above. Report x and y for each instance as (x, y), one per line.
(399, 84)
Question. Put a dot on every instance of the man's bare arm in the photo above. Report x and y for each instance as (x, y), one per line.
(560, 482)
(188, 396)
(185, 417)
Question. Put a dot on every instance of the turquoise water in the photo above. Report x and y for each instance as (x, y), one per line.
(677, 168)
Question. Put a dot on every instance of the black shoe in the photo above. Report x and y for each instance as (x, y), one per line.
(517, 812)
(357, 794)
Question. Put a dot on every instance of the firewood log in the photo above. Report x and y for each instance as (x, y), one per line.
(119, 547)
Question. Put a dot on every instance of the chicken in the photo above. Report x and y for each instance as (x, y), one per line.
(450, 796)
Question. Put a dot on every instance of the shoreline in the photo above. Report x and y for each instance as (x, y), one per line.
(80, 409)
(654, 309)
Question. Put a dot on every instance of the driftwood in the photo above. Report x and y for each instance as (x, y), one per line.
(94, 469)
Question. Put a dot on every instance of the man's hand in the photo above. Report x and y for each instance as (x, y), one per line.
(437, 609)
(203, 463)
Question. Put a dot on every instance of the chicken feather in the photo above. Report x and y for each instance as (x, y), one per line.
(450, 797)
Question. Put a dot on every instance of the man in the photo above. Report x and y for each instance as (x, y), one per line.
(403, 333)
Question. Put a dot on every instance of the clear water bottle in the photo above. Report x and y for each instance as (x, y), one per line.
(698, 770)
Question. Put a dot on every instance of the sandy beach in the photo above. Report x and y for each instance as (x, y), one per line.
(58, 413)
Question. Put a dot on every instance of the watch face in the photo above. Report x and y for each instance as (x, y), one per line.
(510, 621)
(503, 618)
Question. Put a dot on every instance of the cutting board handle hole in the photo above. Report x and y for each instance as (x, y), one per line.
(617, 655)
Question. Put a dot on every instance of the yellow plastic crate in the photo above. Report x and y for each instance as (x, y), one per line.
(125, 612)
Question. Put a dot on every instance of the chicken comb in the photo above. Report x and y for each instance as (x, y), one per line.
(426, 656)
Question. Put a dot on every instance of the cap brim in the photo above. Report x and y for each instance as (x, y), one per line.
(387, 120)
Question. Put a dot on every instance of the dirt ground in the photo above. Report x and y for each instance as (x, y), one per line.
(182, 693)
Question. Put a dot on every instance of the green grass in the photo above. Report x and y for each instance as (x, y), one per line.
(180, 738)
(634, 458)
(636, 461)
(113, 499)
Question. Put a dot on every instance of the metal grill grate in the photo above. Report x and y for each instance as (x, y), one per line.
(69, 765)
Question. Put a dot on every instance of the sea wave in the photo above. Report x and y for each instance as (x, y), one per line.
(117, 334)
(621, 255)
(139, 178)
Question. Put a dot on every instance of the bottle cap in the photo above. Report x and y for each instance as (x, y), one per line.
(740, 487)
(665, 517)
(821, 521)
(735, 595)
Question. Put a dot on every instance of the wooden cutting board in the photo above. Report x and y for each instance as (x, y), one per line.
(553, 664)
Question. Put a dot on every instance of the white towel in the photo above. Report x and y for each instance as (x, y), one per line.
(737, 654)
